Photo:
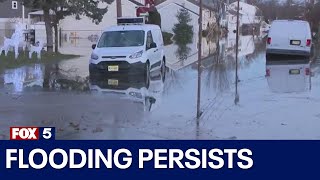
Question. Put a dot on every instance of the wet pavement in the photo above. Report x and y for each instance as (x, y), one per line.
(282, 105)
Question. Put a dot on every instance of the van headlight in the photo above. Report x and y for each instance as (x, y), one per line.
(136, 55)
(94, 56)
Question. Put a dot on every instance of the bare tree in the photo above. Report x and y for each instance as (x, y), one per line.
(312, 13)
(219, 10)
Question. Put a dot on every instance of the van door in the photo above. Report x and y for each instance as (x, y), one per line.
(289, 35)
(279, 35)
(159, 41)
(151, 52)
(297, 35)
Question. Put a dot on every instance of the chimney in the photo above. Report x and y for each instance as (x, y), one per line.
(119, 8)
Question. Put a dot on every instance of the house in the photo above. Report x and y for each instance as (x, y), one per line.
(75, 33)
(10, 12)
(224, 16)
(85, 27)
(168, 10)
(250, 16)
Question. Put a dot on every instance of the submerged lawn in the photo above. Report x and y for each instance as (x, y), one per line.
(8, 62)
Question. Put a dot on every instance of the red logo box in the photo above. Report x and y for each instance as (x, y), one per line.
(24, 133)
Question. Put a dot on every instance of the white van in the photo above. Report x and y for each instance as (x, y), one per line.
(289, 37)
(129, 46)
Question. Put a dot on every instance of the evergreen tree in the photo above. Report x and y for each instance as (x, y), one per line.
(183, 30)
(183, 34)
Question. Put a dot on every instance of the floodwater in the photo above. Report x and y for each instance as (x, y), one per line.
(282, 105)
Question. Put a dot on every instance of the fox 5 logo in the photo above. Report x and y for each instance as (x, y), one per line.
(32, 133)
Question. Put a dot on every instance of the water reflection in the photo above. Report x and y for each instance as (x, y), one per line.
(183, 53)
(38, 77)
(21, 79)
(221, 65)
(218, 69)
(247, 45)
(58, 79)
(291, 76)
(146, 93)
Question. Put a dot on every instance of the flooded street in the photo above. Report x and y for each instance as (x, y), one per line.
(276, 106)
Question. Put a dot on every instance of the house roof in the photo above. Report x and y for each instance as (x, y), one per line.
(136, 3)
(40, 12)
(195, 2)
(246, 9)
(6, 10)
(186, 9)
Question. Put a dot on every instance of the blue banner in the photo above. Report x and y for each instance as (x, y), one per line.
(160, 159)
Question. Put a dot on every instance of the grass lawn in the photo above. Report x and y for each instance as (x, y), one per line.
(8, 62)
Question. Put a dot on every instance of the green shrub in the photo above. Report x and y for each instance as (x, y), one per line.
(183, 30)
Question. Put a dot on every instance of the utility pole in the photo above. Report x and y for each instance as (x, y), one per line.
(119, 8)
(199, 113)
(237, 98)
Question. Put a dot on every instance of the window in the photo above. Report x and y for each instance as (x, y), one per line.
(14, 4)
(149, 40)
(122, 39)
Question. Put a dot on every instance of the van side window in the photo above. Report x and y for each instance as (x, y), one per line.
(158, 39)
(149, 40)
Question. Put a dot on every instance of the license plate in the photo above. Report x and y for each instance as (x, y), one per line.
(113, 68)
(113, 82)
(295, 42)
(294, 71)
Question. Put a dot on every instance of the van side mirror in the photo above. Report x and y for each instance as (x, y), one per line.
(94, 46)
(153, 45)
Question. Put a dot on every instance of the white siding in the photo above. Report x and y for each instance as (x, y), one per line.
(248, 14)
(168, 17)
(208, 48)
(85, 26)
(168, 11)
(170, 8)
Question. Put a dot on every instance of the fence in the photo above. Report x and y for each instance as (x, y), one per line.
(76, 38)
(69, 40)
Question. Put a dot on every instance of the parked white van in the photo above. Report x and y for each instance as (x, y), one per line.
(289, 37)
(129, 46)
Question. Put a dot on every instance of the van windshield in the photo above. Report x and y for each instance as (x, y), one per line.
(122, 39)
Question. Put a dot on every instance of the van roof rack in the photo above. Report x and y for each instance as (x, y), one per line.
(131, 21)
